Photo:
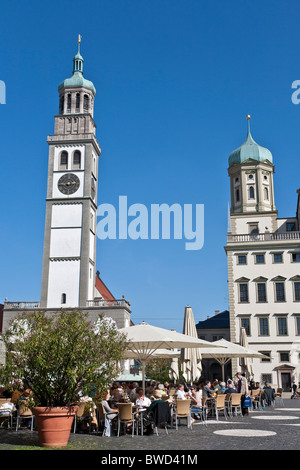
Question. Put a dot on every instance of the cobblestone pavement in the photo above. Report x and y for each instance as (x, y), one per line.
(273, 428)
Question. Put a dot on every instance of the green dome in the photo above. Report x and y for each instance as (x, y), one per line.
(77, 78)
(250, 149)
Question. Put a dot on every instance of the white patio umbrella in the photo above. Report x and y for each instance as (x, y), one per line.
(145, 339)
(174, 369)
(190, 357)
(224, 351)
(246, 362)
(172, 354)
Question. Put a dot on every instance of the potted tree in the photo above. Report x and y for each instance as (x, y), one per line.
(60, 357)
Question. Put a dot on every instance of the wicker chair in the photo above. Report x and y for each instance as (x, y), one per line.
(103, 418)
(126, 416)
(183, 411)
(7, 411)
(24, 412)
(220, 406)
(83, 414)
(256, 398)
(278, 396)
(235, 404)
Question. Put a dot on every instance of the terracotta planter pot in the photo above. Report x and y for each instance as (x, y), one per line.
(54, 424)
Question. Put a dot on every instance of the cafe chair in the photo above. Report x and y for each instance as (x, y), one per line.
(220, 406)
(24, 412)
(256, 398)
(7, 410)
(278, 397)
(126, 416)
(83, 415)
(183, 410)
(235, 404)
(104, 418)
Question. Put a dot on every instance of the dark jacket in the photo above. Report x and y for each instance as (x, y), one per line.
(161, 413)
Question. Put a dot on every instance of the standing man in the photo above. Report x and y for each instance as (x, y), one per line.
(243, 389)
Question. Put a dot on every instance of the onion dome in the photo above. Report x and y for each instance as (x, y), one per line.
(250, 150)
(77, 79)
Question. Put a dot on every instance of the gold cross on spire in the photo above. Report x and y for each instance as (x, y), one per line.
(79, 41)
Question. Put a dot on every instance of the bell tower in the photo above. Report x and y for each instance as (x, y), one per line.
(251, 178)
(69, 257)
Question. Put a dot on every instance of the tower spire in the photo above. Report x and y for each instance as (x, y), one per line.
(248, 117)
(78, 59)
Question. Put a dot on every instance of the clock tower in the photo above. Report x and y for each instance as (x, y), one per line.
(69, 257)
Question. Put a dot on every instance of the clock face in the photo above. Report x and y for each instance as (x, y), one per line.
(68, 183)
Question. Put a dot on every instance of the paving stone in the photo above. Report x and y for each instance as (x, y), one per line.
(268, 429)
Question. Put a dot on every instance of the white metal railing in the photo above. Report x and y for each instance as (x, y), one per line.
(20, 305)
(262, 237)
(108, 303)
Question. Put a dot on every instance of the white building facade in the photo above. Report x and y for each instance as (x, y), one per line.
(263, 254)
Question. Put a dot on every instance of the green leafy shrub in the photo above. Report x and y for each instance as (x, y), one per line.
(60, 356)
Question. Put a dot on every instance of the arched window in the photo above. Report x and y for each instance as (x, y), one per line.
(86, 103)
(77, 101)
(251, 192)
(63, 298)
(266, 193)
(237, 195)
(69, 103)
(63, 161)
(77, 159)
(61, 105)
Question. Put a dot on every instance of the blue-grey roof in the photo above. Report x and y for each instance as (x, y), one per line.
(221, 320)
(77, 78)
(250, 150)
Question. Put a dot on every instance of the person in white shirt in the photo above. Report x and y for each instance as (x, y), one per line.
(142, 401)
(180, 393)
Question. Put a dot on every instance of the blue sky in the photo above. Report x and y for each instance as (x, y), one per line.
(175, 81)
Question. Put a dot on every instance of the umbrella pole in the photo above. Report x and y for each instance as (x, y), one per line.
(143, 374)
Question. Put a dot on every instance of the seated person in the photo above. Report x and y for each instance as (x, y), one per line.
(207, 390)
(162, 389)
(180, 393)
(230, 389)
(216, 385)
(196, 397)
(111, 413)
(268, 394)
(142, 401)
(157, 398)
(115, 398)
(16, 395)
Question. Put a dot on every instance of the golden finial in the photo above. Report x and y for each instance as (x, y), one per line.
(79, 41)
(248, 116)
